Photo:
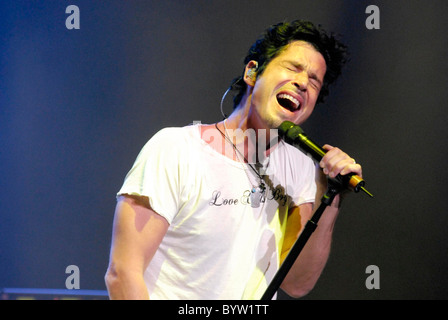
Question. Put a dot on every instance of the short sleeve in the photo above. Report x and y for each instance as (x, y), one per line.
(304, 178)
(307, 192)
(156, 173)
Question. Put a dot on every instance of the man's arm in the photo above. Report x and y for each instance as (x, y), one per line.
(307, 269)
(137, 233)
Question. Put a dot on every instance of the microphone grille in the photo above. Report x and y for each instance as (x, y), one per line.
(284, 127)
(293, 133)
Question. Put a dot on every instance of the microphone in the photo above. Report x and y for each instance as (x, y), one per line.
(294, 135)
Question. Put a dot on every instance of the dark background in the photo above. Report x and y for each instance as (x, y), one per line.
(76, 106)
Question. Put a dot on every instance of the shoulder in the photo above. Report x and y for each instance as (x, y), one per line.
(294, 155)
(173, 136)
(171, 144)
(171, 133)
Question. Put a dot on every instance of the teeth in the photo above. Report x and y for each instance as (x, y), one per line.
(292, 99)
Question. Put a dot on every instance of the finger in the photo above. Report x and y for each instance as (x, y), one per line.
(334, 161)
(338, 162)
(327, 147)
(322, 163)
(352, 168)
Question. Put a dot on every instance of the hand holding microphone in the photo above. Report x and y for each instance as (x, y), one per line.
(295, 136)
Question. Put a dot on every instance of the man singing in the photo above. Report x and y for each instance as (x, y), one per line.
(209, 211)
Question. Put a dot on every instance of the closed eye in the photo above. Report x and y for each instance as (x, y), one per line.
(315, 82)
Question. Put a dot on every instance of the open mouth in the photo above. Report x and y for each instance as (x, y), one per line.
(288, 102)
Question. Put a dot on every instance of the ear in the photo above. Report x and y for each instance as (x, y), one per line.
(250, 73)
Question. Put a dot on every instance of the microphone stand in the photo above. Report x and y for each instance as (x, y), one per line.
(334, 187)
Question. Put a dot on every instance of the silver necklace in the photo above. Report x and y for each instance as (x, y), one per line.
(257, 193)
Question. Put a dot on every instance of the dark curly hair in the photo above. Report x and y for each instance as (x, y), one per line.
(275, 40)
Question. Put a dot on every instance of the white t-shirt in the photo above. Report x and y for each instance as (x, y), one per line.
(217, 246)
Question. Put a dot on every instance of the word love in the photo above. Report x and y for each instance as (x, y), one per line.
(218, 200)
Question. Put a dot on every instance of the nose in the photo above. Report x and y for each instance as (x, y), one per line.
(301, 81)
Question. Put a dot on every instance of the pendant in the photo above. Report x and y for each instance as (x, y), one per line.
(256, 196)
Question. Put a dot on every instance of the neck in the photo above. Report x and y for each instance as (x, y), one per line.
(255, 141)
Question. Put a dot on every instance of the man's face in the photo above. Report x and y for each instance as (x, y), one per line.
(288, 88)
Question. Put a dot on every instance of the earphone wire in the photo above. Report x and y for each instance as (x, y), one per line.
(222, 102)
